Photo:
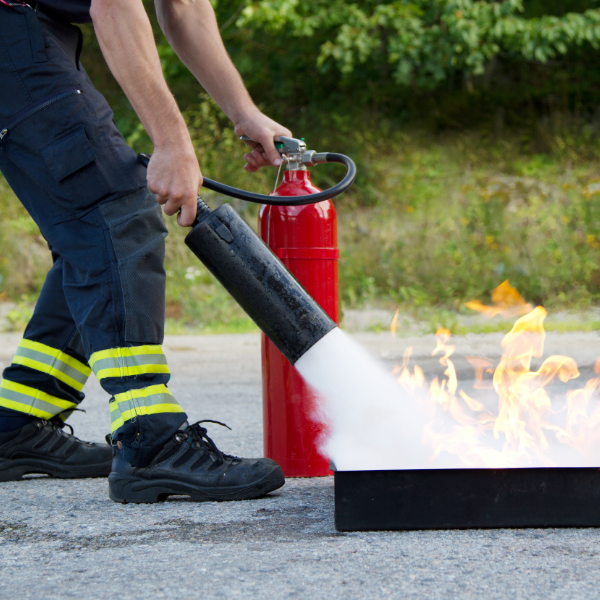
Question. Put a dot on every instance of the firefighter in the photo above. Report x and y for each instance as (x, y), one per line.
(102, 305)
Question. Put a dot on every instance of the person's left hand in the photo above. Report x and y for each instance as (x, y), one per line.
(261, 130)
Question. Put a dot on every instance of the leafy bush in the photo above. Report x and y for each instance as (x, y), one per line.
(501, 182)
(424, 42)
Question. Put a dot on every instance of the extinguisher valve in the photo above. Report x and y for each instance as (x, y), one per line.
(311, 158)
(295, 152)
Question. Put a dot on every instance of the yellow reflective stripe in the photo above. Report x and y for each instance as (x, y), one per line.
(145, 410)
(151, 400)
(116, 424)
(51, 361)
(124, 353)
(65, 358)
(26, 408)
(63, 416)
(38, 366)
(23, 398)
(129, 361)
(146, 392)
(129, 371)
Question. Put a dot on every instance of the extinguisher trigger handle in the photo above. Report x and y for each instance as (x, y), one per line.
(278, 145)
(285, 145)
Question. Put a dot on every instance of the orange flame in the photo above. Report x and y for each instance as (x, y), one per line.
(514, 427)
(506, 300)
(481, 366)
(394, 325)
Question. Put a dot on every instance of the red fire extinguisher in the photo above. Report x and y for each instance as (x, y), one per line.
(305, 239)
(301, 229)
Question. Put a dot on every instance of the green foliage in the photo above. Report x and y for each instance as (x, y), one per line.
(500, 182)
(424, 42)
(443, 63)
(24, 255)
(17, 318)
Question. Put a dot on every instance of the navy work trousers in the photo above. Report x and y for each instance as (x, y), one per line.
(102, 305)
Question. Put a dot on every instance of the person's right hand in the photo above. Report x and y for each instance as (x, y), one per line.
(174, 176)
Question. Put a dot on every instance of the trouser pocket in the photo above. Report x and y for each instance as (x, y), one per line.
(60, 145)
(73, 163)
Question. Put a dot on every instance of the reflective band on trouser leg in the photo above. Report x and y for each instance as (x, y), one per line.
(36, 403)
(153, 400)
(51, 361)
(128, 362)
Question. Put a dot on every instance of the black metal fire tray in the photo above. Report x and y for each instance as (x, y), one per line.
(467, 498)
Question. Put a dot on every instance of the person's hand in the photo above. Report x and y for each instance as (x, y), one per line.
(174, 176)
(261, 130)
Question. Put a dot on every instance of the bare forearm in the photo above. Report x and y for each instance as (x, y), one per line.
(191, 28)
(125, 36)
(127, 43)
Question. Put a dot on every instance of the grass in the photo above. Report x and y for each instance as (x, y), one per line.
(432, 222)
(586, 326)
(463, 322)
(452, 218)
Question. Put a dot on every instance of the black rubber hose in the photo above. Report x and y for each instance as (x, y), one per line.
(336, 190)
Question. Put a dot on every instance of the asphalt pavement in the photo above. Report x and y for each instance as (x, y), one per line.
(66, 539)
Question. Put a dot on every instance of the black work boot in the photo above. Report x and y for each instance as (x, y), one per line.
(190, 464)
(44, 447)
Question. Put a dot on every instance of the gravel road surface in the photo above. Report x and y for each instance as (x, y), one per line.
(67, 539)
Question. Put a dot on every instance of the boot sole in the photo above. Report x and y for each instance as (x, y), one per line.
(139, 491)
(14, 470)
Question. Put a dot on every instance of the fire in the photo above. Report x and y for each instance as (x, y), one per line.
(394, 325)
(515, 424)
(506, 300)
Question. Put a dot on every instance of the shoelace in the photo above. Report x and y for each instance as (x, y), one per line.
(58, 425)
(200, 435)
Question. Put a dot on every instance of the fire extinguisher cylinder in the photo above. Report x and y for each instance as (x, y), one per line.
(260, 283)
(305, 238)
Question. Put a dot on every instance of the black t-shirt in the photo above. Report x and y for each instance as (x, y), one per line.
(74, 11)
